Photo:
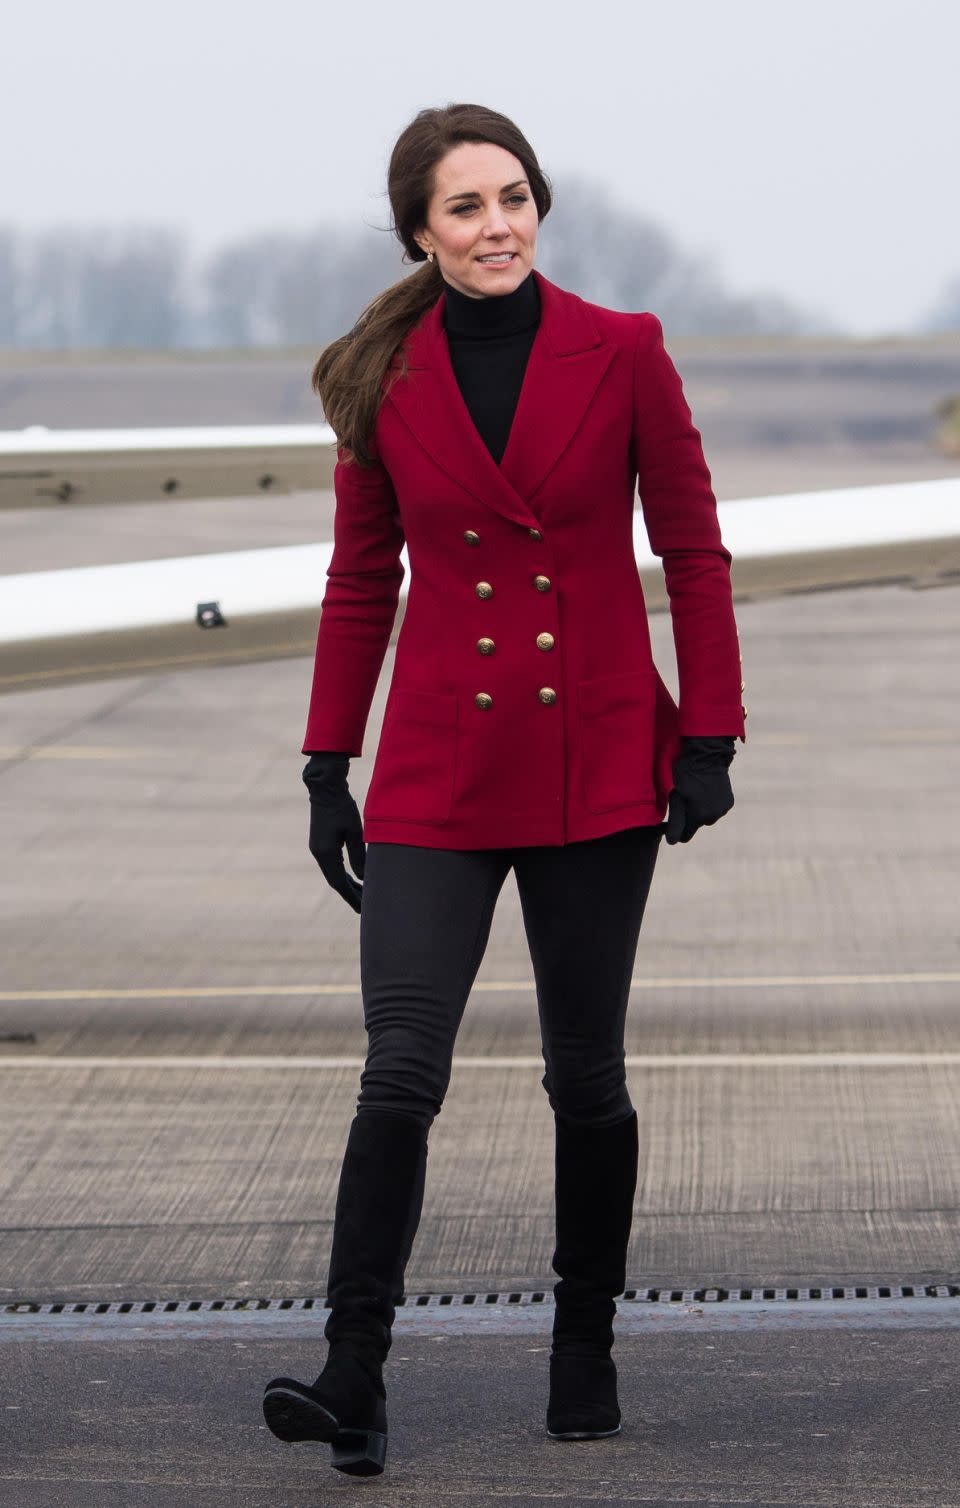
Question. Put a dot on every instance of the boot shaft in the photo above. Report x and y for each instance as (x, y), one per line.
(378, 1207)
(595, 1182)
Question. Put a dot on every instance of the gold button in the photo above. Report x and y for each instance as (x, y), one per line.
(534, 533)
(547, 694)
(486, 646)
(542, 583)
(471, 536)
(483, 699)
(743, 685)
(484, 589)
(744, 711)
(545, 641)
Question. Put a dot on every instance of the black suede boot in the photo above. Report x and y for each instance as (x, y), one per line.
(379, 1201)
(596, 1178)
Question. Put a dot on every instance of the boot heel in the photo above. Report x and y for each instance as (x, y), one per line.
(359, 1452)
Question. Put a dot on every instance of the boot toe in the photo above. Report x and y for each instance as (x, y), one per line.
(293, 1412)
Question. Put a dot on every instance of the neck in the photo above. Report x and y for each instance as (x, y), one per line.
(494, 313)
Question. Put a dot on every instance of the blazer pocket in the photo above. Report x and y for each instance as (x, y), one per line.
(413, 773)
(617, 725)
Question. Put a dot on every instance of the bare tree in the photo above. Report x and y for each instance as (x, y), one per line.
(11, 292)
(239, 283)
(944, 315)
(102, 286)
(623, 259)
(326, 278)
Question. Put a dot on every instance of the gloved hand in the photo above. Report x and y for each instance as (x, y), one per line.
(334, 820)
(701, 792)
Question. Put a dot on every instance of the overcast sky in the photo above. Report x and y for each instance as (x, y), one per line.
(805, 148)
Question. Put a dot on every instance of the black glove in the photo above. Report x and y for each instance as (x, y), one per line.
(701, 792)
(334, 820)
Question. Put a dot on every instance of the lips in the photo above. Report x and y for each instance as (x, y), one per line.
(497, 255)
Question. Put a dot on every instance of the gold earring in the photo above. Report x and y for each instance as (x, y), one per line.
(429, 256)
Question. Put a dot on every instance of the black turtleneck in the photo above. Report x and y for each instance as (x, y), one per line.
(490, 339)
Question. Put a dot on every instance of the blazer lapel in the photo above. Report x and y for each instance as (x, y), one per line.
(566, 362)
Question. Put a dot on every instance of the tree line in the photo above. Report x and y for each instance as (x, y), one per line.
(94, 287)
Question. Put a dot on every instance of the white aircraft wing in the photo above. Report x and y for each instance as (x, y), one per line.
(42, 467)
(61, 626)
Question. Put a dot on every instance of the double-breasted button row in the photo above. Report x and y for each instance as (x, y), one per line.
(473, 538)
(486, 645)
(546, 695)
(484, 589)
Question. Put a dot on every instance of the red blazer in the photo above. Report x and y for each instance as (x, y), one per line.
(524, 705)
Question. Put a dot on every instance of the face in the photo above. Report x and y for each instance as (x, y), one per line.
(481, 205)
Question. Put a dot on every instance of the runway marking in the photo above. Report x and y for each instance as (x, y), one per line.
(156, 662)
(74, 751)
(490, 986)
(787, 739)
(876, 735)
(636, 1060)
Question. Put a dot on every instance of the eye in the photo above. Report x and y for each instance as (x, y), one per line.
(513, 199)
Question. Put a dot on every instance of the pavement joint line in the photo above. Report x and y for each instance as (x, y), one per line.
(76, 751)
(632, 1060)
(661, 982)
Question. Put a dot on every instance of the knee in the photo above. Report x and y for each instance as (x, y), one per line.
(586, 1104)
(423, 1115)
(406, 1074)
(418, 1096)
(411, 1107)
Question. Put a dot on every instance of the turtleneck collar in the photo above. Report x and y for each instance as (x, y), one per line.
(493, 314)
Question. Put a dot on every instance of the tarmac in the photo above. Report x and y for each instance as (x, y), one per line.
(173, 959)
(180, 1045)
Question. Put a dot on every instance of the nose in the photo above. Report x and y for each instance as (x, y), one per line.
(497, 226)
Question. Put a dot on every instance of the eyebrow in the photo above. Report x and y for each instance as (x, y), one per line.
(471, 193)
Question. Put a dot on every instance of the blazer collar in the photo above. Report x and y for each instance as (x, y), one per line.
(566, 362)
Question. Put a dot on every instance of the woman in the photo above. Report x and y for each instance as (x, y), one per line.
(497, 425)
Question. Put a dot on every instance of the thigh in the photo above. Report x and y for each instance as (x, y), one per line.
(424, 924)
(583, 906)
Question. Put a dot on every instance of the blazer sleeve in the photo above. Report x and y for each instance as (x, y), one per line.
(680, 515)
(358, 608)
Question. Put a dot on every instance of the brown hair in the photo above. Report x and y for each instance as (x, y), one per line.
(349, 371)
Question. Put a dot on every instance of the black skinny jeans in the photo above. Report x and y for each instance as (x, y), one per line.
(424, 923)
